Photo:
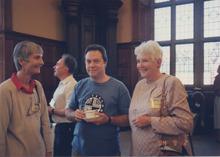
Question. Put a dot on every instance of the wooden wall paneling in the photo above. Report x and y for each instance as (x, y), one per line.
(5, 24)
(71, 13)
(2, 15)
(8, 15)
(9, 65)
(126, 65)
(5, 15)
(134, 73)
(111, 29)
(91, 22)
(2, 56)
(142, 20)
(88, 36)
(111, 48)
(47, 78)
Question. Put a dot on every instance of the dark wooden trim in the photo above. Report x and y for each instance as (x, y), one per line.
(198, 45)
(126, 64)
(142, 20)
(22, 36)
(5, 24)
(5, 15)
(2, 15)
(89, 22)
(8, 14)
(2, 56)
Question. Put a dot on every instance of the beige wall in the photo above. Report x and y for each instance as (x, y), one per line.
(38, 17)
(124, 28)
(43, 18)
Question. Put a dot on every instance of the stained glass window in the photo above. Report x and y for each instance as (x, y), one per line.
(211, 61)
(162, 23)
(189, 29)
(165, 67)
(212, 18)
(184, 63)
(184, 21)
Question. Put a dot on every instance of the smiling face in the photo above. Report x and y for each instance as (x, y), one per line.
(148, 67)
(33, 64)
(95, 64)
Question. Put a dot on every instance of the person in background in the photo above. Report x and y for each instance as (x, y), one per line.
(63, 70)
(24, 122)
(216, 88)
(96, 134)
(149, 118)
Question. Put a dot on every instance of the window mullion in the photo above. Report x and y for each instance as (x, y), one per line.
(198, 44)
(172, 46)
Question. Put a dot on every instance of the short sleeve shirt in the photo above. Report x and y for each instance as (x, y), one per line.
(112, 98)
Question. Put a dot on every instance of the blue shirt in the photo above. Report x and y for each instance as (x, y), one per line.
(112, 98)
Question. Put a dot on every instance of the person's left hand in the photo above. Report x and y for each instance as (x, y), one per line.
(101, 119)
(142, 121)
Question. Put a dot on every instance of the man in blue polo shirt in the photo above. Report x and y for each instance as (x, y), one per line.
(97, 134)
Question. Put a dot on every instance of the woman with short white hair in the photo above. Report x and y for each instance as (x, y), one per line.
(159, 113)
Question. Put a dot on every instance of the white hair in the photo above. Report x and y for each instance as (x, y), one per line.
(150, 47)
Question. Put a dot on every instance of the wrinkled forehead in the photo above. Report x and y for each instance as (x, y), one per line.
(35, 53)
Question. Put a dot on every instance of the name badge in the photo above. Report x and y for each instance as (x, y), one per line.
(52, 102)
(155, 103)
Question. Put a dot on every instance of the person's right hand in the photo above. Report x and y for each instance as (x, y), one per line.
(79, 115)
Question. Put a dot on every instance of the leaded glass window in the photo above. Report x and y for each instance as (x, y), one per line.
(162, 24)
(211, 61)
(211, 18)
(191, 30)
(184, 63)
(165, 66)
(184, 21)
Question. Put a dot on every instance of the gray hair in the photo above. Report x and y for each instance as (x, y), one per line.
(23, 50)
(150, 47)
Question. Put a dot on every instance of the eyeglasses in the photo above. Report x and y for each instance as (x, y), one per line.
(35, 105)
